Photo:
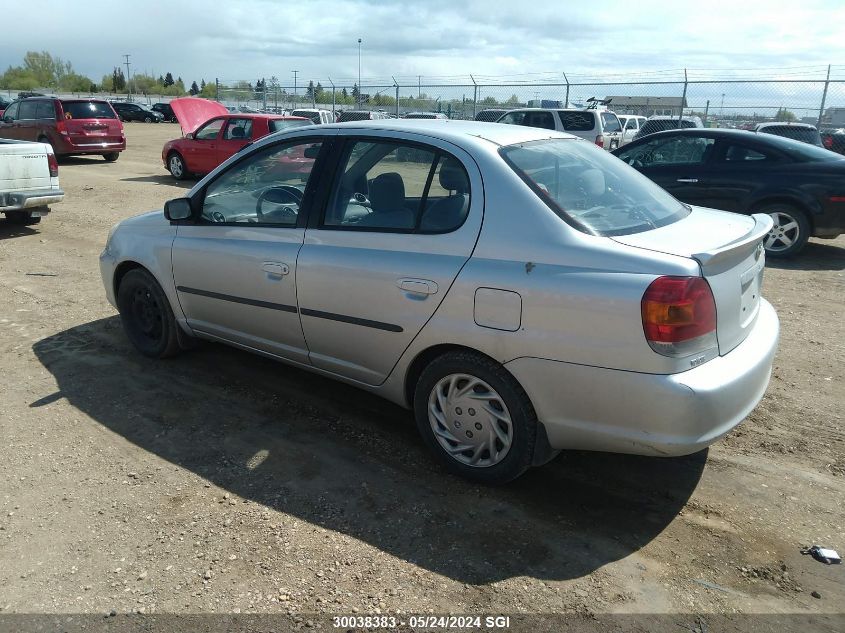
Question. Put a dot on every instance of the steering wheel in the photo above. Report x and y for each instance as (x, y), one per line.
(217, 216)
(282, 195)
(360, 198)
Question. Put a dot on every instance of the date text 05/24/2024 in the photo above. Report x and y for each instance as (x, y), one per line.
(445, 622)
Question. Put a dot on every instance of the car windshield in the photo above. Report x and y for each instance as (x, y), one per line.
(592, 189)
(277, 125)
(87, 110)
(803, 134)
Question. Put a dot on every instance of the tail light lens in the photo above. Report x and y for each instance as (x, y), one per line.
(54, 165)
(828, 141)
(61, 127)
(600, 141)
(679, 316)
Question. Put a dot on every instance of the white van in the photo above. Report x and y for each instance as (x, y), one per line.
(316, 115)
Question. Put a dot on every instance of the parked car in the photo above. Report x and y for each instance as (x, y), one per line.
(504, 332)
(70, 126)
(631, 124)
(803, 132)
(424, 115)
(360, 115)
(601, 127)
(136, 112)
(29, 181)
(798, 185)
(212, 134)
(834, 140)
(661, 122)
(4, 103)
(164, 110)
(491, 115)
(317, 115)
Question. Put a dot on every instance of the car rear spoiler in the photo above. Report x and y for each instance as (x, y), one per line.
(723, 257)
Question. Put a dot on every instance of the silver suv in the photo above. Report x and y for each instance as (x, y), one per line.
(601, 127)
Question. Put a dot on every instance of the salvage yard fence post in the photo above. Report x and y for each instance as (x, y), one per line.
(683, 101)
(824, 97)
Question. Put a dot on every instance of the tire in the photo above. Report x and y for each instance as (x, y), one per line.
(22, 218)
(176, 166)
(790, 232)
(111, 156)
(148, 119)
(495, 390)
(146, 315)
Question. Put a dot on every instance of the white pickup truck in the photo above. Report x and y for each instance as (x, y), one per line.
(29, 181)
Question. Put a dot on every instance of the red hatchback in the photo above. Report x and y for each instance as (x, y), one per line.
(213, 134)
(71, 126)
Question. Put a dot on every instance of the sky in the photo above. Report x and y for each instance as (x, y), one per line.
(438, 39)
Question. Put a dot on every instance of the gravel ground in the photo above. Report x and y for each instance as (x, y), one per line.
(220, 482)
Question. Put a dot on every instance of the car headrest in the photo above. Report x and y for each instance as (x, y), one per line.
(453, 177)
(387, 192)
(592, 181)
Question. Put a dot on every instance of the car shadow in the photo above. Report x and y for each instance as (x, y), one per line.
(347, 461)
(816, 255)
(162, 179)
(10, 231)
(81, 160)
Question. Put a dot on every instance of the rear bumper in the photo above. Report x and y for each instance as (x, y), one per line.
(18, 200)
(593, 408)
(65, 145)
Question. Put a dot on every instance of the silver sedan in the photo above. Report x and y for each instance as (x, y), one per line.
(520, 290)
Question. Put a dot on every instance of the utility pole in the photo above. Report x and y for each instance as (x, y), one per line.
(128, 77)
(359, 73)
(419, 86)
(295, 73)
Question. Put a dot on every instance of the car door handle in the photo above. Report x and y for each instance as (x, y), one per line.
(274, 269)
(687, 180)
(417, 286)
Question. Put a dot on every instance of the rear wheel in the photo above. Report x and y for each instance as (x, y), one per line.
(146, 315)
(24, 218)
(790, 230)
(474, 415)
(148, 119)
(176, 166)
(111, 156)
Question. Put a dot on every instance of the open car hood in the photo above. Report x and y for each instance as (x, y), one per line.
(192, 112)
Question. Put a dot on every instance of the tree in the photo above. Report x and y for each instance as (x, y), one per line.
(309, 91)
(161, 80)
(194, 89)
(344, 94)
(168, 80)
(356, 93)
(202, 85)
(318, 91)
(118, 81)
(785, 115)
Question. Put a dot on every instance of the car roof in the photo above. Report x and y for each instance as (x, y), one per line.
(262, 115)
(766, 124)
(457, 132)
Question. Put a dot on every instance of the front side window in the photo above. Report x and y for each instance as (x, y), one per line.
(592, 189)
(266, 188)
(513, 118)
(238, 130)
(11, 112)
(667, 151)
(209, 131)
(390, 186)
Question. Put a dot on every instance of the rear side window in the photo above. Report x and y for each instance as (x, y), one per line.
(393, 187)
(45, 110)
(27, 109)
(277, 125)
(577, 121)
(591, 189)
(736, 153)
(610, 123)
(87, 110)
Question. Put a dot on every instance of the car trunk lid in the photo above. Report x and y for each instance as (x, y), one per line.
(192, 112)
(729, 249)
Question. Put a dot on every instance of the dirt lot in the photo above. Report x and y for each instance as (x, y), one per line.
(222, 482)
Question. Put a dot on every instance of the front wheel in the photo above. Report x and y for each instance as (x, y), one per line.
(146, 315)
(22, 218)
(474, 415)
(176, 166)
(790, 230)
(111, 156)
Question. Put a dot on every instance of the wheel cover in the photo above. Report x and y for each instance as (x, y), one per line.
(147, 314)
(785, 232)
(176, 165)
(470, 420)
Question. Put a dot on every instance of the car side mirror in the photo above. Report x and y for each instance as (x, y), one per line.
(178, 209)
(312, 151)
(189, 136)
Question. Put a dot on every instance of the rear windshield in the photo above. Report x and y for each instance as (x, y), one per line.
(803, 134)
(592, 189)
(87, 110)
(353, 116)
(650, 127)
(800, 151)
(577, 121)
(277, 125)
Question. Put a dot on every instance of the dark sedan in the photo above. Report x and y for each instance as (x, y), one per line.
(800, 186)
(135, 112)
(164, 110)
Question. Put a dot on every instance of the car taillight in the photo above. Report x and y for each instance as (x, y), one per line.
(828, 141)
(53, 164)
(61, 127)
(600, 141)
(679, 316)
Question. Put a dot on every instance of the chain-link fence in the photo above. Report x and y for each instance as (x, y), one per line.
(812, 95)
(736, 99)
